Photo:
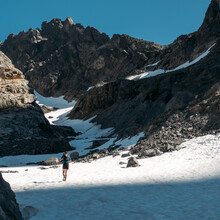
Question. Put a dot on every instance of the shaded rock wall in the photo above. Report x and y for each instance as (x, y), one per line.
(9, 209)
(129, 106)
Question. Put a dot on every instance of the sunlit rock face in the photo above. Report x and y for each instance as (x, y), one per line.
(23, 127)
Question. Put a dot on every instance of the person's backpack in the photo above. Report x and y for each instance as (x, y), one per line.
(65, 159)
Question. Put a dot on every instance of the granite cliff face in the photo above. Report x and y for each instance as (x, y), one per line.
(9, 209)
(13, 86)
(23, 127)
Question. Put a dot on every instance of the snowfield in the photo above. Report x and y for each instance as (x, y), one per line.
(90, 131)
(179, 185)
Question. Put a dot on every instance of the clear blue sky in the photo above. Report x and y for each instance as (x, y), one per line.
(161, 21)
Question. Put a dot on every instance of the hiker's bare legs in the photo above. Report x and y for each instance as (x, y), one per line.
(64, 174)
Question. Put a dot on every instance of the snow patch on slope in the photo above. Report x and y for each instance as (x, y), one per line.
(161, 71)
(154, 64)
(130, 141)
(89, 131)
(58, 102)
(91, 87)
(146, 74)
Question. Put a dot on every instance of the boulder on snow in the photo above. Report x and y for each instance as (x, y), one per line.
(74, 155)
(133, 162)
(170, 147)
(51, 161)
(115, 153)
(178, 148)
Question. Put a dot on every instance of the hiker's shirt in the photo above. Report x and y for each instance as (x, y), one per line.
(65, 159)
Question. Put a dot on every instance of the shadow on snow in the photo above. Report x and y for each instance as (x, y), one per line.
(170, 200)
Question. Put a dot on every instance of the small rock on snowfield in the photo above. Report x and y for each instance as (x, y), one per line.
(126, 155)
(133, 162)
(51, 161)
(28, 212)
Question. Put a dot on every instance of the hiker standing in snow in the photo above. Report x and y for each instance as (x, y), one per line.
(65, 159)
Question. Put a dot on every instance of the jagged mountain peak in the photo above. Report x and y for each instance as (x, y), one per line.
(57, 23)
(72, 58)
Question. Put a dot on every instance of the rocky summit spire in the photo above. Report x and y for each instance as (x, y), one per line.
(211, 22)
(69, 20)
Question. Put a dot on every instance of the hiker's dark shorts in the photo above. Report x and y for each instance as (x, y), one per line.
(66, 166)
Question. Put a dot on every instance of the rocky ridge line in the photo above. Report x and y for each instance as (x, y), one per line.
(63, 58)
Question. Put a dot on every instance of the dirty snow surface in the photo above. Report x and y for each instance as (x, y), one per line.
(184, 184)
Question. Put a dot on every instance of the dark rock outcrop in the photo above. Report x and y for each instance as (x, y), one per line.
(23, 127)
(9, 209)
(168, 131)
